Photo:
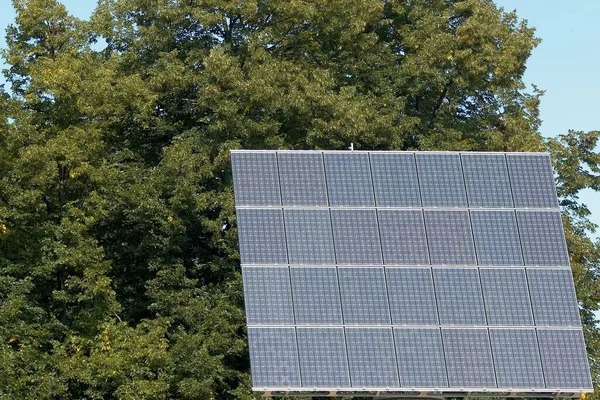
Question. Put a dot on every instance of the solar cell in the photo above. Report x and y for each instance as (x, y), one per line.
(395, 180)
(496, 238)
(302, 178)
(542, 238)
(323, 358)
(403, 237)
(268, 295)
(274, 357)
(356, 237)
(349, 179)
(486, 179)
(516, 358)
(459, 296)
(532, 180)
(468, 358)
(449, 237)
(316, 295)
(364, 296)
(309, 236)
(421, 357)
(372, 357)
(553, 297)
(564, 359)
(411, 295)
(506, 296)
(261, 235)
(441, 180)
(255, 179)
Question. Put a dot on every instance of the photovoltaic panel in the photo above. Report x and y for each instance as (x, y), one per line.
(553, 297)
(356, 237)
(411, 295)
(309, 236)
(532, 180)
(302, 177)
(496, 238)
(403, 237)
(395, 180)
(349, 179)
(268, 295)
(468, 358)
(316, 295)
(364, 296)
(421, 357)
(542, 238)
(459, 296)
(449, 237)
(486, 179)
(336, 246)
(441, 178)
(323, 358)
(516, 358)
(261, 235)
(506, 296)
(274, 357)
(564, 359)
(372, 357)
(255, 179)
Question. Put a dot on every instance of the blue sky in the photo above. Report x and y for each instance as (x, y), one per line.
(565, 65)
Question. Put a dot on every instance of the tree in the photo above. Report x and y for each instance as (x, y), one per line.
(119, 270)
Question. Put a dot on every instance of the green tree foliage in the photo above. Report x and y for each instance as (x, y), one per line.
(119, 270)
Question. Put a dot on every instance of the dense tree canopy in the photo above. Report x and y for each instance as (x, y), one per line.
(117, 276)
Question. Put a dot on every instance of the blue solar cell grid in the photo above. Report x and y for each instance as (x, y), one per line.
(459, 297)
(356, 237)
(506, 296)
(517, 358)
(268, 295)
(532, 180)
(450, 238)
(542, 238)
(255, 179)
(323, 357)
(468, 358)
(441, 178)
(564, 359)
(553, 297)
(411, 295)
(349, 179)
(302, 177)
(309, 237)
(316, 295)
(496, 238)
(372, 357)
(364, 296)
(403, 237)
(274, 357)
(395, 180)
(262, 237)
(421, 357)
(486, 179)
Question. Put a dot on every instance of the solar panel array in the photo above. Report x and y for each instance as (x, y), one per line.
(401, 271)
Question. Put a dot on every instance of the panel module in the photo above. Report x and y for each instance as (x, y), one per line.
(432, 273)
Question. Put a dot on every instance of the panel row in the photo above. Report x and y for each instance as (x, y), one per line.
(380, 358)
(393, 237)
(294, 178)
(410, 296)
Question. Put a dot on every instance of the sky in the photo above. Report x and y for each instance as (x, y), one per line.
(565, 64)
